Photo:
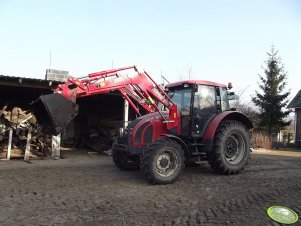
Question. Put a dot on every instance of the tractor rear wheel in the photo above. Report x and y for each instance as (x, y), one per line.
(162, 162)
(231, 148)
(123, 160)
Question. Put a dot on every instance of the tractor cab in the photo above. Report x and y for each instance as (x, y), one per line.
(198, 102)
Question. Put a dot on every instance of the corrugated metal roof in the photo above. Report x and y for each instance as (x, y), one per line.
(296, 102)
(28, 82)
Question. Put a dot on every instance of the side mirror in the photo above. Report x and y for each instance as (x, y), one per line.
(195, 88)
(232, 96)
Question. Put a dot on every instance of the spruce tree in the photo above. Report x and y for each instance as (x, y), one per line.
(273, 97)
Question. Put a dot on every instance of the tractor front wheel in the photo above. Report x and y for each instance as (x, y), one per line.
(231, 148)
(123, 160)
(162, 161)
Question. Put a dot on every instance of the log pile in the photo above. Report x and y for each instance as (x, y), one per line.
(20, 121)
(103, 135)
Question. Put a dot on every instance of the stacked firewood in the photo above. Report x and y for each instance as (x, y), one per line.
(21, 122)
(102, 136)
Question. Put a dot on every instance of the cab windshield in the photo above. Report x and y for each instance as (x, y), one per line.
(182, 98)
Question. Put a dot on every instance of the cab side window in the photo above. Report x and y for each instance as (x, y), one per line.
(205, 99)
(224, 99)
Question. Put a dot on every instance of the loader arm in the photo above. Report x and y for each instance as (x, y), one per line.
(136, 86)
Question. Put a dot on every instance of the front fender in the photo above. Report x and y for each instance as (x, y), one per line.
(227, 115)
(178, 140)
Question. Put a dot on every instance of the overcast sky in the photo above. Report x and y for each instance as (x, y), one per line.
(218, 40)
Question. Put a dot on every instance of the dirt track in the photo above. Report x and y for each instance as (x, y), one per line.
(83, 190)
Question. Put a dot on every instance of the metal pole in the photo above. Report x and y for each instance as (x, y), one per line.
(56, 146)
(50, 59)
(126, 114)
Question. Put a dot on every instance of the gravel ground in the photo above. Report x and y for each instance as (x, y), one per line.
(85, 190)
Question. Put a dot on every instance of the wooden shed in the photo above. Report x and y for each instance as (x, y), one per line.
(296, 105)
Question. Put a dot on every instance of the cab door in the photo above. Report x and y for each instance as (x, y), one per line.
(204, 108)
(182, 98)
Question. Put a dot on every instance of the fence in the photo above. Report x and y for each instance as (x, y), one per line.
(261, 140)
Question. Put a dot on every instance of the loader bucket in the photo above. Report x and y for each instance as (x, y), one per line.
(54, 112)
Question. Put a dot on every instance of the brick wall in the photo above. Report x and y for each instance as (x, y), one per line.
(57, 75)
(298, 124)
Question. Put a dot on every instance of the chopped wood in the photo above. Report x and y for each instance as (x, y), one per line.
(22, 123)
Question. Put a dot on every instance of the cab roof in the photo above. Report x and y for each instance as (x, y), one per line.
(199, 82)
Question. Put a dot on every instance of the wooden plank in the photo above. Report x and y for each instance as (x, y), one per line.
(27, 149)
(3, 109)
(9, 144)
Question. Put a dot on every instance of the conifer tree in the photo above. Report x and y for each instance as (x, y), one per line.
(273, 97)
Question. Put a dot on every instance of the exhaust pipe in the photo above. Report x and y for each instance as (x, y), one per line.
(53, 112)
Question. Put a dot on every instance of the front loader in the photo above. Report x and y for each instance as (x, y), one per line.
(188, 122)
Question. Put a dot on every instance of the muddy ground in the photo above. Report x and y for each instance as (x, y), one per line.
(85, 190)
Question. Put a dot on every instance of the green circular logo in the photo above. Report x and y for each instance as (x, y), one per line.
(282, 214)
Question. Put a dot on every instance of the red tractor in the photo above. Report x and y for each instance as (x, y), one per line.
(188, 122)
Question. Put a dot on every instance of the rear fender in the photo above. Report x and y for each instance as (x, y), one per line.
(227, 115)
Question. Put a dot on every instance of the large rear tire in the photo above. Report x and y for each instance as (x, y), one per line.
(231, 148)
(123, 160)
(162, 162)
